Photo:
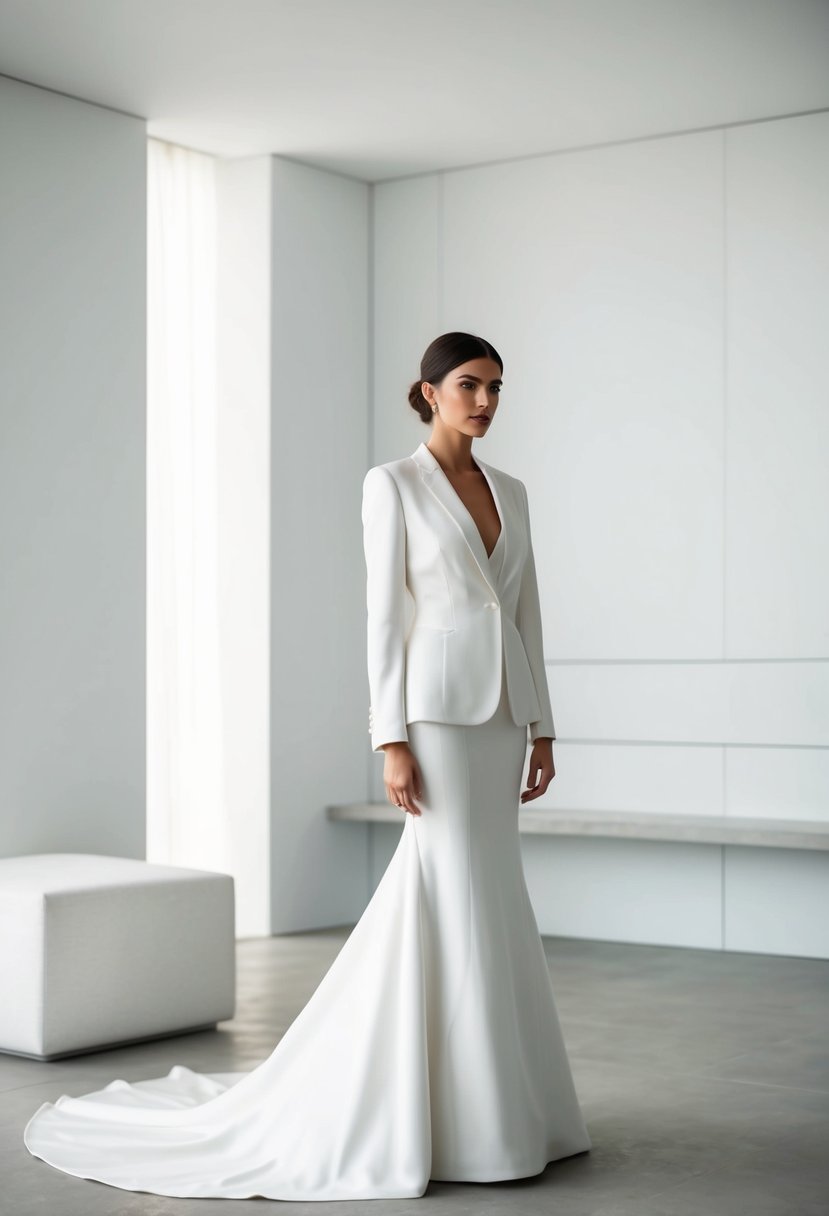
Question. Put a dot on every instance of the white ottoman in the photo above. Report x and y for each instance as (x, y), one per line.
(97, 951)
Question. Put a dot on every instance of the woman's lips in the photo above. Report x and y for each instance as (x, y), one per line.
(479, 418)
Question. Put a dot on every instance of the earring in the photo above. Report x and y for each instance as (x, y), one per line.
(434, 409)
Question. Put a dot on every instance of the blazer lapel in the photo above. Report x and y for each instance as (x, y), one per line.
(436, 480)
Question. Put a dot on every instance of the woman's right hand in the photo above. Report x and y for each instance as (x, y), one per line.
(402, 777)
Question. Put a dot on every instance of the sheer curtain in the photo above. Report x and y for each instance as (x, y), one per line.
(185, 816)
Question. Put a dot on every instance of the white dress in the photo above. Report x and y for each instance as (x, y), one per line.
(430, 1049)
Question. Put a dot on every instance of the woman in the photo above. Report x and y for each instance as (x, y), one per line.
(457, 682)
(431, 1048)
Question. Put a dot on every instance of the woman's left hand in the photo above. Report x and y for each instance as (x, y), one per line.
(542, 770)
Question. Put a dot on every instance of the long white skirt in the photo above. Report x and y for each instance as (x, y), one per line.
(430, 1049)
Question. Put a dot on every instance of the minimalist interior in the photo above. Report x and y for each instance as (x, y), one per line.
(228, 234)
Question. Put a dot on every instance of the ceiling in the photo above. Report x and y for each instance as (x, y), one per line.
(381, 89)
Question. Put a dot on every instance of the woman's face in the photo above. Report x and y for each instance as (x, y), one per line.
(469, 390)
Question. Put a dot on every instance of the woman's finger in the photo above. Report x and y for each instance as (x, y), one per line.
(409, 802)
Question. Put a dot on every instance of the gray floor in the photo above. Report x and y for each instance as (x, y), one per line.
(703, 1076)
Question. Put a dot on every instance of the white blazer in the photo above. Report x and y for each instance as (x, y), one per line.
(440, 619)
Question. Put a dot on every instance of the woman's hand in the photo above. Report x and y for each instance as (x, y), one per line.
(542, 770)
(402, 778)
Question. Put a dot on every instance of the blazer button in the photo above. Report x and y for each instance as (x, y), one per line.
(492, 604)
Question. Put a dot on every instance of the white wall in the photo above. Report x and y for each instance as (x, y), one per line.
(661, 307)
(243, 193)
(72, 475)
(318, 458)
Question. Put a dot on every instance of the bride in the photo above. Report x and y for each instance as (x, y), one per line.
(432, 1046)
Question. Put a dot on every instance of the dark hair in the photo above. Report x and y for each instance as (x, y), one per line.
(440, 357)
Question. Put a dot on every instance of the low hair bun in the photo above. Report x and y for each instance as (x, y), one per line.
(419, 403)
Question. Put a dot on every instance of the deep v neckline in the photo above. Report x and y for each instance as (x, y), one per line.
(497, 543)
(466, 508)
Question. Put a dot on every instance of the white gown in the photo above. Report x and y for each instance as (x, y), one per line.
(430, 1049)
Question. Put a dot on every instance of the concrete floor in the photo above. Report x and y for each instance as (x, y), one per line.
(703, 1076)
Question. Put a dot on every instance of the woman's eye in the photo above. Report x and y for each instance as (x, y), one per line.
(469, 384)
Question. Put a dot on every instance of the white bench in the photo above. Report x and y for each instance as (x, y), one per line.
(100, 951)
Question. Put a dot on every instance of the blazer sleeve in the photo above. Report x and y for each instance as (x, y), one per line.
(528, 621)
(384, 544)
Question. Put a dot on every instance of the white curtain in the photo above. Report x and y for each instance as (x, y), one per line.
(185, 818)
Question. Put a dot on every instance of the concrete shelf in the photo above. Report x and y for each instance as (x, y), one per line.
(633, 825)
